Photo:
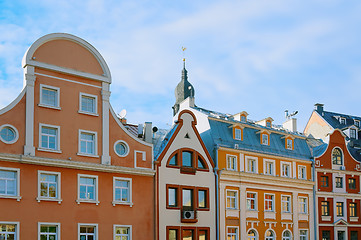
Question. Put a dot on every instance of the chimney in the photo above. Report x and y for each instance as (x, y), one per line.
(290, 124)
(319, 107)
(140, 130)
(148, 134)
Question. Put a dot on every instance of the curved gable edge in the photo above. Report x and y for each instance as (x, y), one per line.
(126, 131)
(27, 59)
(13, 103)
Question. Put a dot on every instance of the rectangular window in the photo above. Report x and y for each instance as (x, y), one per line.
(343, 121)
(289, 144)
(173, 234)
(202, 198)
(264, 139)
(251, 165)
(172, 197)
(357, 123)
(232, 199)
(187, 159)
(9, 231)
(251, 201)
(49, 96)
(122, 190)
(302, 204)
(187, 199)
(353, 210)
(324, 181)
(88, 232)
(269, 168)
(325, 208)
(354, 235)
(237, 134)
(232, 233)
(203, 234)
(87, 188)
(49, 137)
(339, 183)
(352, 183)
(88, 143)
(49, 231)
(286, 170)
(352, 133)
(49, 185)
(339, 209)
(302, 172)
(231, 162)
(9, 182)
(188, 234)
(269, 202)
(326, 235)
(88, 103)
(303, 234)
(122, 232)
(286, 204)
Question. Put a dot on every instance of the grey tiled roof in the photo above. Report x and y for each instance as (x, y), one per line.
(335, 123)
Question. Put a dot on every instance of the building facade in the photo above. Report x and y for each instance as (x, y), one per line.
(69, 168)
(185, 179)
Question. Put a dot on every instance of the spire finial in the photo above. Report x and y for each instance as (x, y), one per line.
(184, 59)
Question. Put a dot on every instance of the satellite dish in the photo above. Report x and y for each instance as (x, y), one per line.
(122, 114)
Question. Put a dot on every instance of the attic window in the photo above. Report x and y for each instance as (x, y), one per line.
(243, 118)
(357, 123)
(264, 138)
(289, 144)
(268, 124)
(337, 156)
(237, 134)
(343, 121)
(352, 133)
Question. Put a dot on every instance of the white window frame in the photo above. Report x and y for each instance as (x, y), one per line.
(125, 226)
(306, 236)
(265, 167)
(57, 138)
(130, 202)
(17, 194)
(342, 120)
(235, 162)
(80, 153)
(285, 164)
(272, 201)
(121, 142)
(233, 234)
(17, 226)
(95, 225)
(289, 144)
(289, 204)
(236, 199)
(81, 200)
(255, 199)
(42, 104)
(357, 123)
(355, 131)
(262, 139)
(237, 132)
(302, 168)
(95, 97)
(58, 187)
(16, 134)
(302, 204)
(287, 238)
(40, 224)
(248, 159)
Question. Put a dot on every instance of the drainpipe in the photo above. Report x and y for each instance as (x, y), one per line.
(314, 200)
(217, 192)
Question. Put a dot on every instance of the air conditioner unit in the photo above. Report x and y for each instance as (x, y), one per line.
(342, 168)
(188, 214)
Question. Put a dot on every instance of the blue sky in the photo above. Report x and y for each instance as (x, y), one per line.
(260, 56)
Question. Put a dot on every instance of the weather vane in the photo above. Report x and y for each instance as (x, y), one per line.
(183, 50)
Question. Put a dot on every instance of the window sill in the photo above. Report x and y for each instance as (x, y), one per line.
(326, 218)
(49, 150)
(49, 106)
(88, 113)
(78, 201)
(11, 197)
(353, 219)
(130, 204)
(232, 209)
(49, 199)
(87, 155)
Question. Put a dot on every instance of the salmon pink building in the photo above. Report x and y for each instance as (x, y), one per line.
(69, 168)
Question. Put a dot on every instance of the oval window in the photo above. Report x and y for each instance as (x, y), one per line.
(121, 148)
(8, 134)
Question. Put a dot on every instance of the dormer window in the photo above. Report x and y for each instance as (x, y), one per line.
(265, 140)
(352, 133)
(268, 124)
(357, 123)
(289, 144)
(243, 118)
(337, 156)
(343, 121)
(238, 134)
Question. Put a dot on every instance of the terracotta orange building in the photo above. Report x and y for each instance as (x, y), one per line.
(69, 168)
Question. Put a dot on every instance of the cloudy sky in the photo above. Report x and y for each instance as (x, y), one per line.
(260, 56)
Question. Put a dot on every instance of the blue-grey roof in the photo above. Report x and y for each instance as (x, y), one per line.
(222, 135)
(335, 123)
(160, 140)
(319, 150)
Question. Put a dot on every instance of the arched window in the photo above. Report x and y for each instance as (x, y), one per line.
(286, 235)
(270, 235)
(252, 235)
(337, 156)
